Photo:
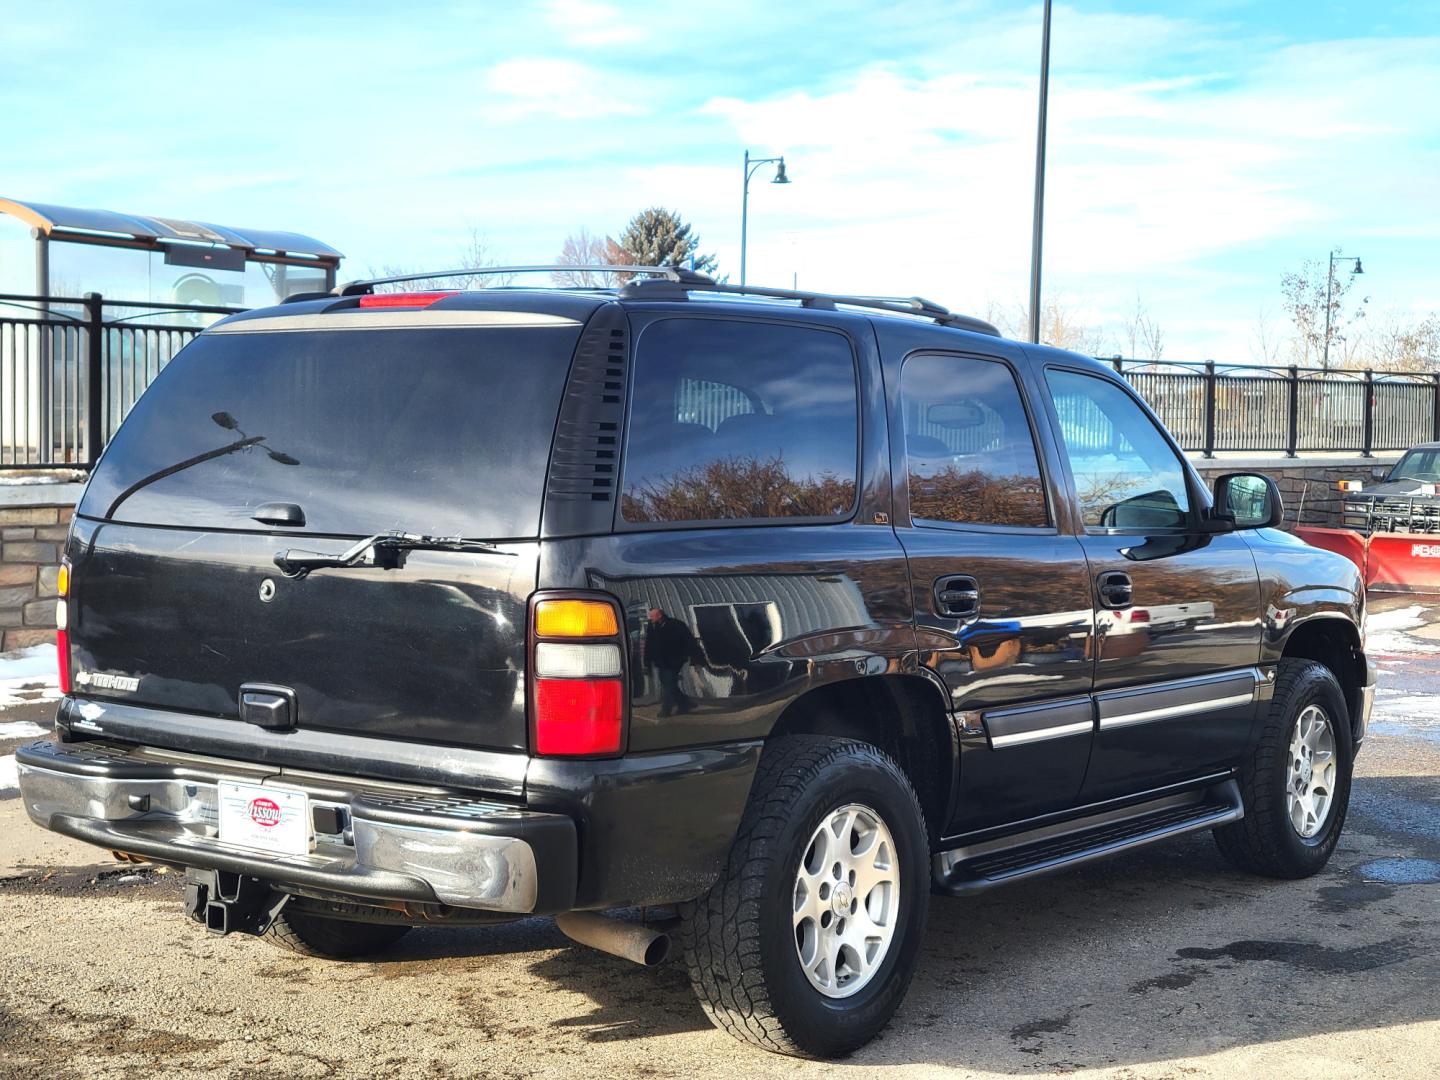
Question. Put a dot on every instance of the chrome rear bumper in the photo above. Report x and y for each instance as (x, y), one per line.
(389, 841)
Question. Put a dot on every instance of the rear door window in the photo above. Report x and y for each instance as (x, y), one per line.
(443, 431)
(740, 421)
(969, 451)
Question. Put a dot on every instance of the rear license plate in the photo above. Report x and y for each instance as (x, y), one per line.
(265, 818)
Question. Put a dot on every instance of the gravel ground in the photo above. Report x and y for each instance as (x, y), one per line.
(1164, 963)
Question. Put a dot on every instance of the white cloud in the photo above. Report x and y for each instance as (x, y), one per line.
(589, 24)
(905, 181)
(564, 89)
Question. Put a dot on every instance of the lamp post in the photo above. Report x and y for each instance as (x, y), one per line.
(1329, 291)
(751, 164)
(1037, 226)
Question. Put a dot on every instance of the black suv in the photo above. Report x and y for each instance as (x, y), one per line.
(765, 613)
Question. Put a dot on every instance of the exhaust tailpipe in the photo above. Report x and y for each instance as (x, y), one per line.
(629, 941)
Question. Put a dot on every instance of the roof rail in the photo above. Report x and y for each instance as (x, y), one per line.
(904, 305)
(677, 282)
(673, 274)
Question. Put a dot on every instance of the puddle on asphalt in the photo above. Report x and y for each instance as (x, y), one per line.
(1401, 871)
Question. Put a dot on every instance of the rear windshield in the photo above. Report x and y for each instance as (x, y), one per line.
(444, 431)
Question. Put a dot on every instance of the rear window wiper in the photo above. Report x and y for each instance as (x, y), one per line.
(385, 550)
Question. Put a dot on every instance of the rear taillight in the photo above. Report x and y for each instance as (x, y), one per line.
(403, 299)
(577, 677)
(62, 625)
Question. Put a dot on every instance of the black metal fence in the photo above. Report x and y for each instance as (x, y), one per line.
(58, 355)
(1217, 407)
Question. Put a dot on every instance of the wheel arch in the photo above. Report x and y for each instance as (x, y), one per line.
(903, 715)
(1334, 641)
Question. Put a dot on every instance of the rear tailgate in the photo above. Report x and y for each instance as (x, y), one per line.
(443, 431)
(433, 651)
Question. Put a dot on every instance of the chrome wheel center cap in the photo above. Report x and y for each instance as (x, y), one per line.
(840, 899)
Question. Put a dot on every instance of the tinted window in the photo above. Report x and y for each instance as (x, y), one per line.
(736, 420)
(969, 450)
(1126, 475)
(1417, 465)
(367, 431)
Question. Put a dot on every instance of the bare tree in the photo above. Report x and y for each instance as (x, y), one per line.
(1306, 293)
(1265, 342)
(584, 248)
(1143, 338)
(1060, 325)
(1398, 342)
(475, 254)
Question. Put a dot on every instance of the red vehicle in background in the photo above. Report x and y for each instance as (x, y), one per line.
(1391, 531)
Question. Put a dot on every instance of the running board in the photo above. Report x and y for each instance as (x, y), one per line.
(1070, 843)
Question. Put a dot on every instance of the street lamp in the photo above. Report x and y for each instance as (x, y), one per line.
(751, 164)
(1329, 290)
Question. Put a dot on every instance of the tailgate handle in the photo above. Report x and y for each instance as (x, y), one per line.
(267, 706)
(280, 514)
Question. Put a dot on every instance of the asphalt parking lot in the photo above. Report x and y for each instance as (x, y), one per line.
(1165, 963)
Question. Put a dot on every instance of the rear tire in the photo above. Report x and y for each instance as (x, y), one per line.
(766, 947)
(1308, 707)
(309, 934)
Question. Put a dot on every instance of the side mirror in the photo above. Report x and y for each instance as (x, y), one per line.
(1249, 500)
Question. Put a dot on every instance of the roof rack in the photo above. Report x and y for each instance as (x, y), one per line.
(674, 274)
(903, 305)
(676, 283)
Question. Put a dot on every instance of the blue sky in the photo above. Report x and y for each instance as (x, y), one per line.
(1197, 152)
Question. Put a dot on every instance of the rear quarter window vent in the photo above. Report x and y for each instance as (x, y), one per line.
(585, 461)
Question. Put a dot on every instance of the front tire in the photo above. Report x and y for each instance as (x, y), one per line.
(807, 942)
(1296, 785)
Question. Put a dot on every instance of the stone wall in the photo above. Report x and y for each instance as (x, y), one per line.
(31, 537)
(1309, 488)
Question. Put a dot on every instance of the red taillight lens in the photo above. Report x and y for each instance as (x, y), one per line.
(578, 716)
(62, 655)
(403, 299)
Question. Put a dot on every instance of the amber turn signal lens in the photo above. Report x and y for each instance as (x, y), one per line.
(575, 618)
(62, 580)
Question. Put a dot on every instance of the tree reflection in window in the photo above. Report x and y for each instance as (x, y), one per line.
(974, 495)
(737, 488)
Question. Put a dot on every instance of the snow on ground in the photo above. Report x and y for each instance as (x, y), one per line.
(21, 729)
(1407, 701)
(28, 675)
(1385, 632)
(35, 479)
(9, 777)
(1397, 705)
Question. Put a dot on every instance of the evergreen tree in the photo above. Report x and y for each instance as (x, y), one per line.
(658, 237)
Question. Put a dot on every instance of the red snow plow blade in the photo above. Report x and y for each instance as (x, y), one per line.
(1389, 562)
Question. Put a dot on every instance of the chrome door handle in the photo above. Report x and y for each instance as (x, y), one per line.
(957, 596)
(1116, 589)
